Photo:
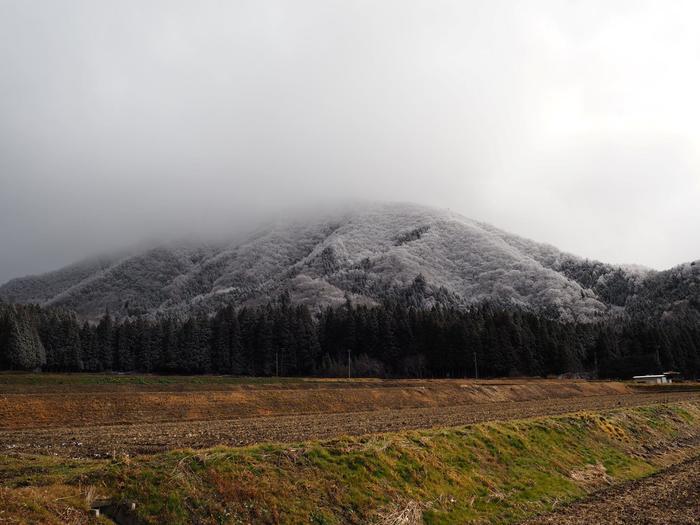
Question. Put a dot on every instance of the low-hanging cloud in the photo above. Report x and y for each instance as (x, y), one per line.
(572, 123)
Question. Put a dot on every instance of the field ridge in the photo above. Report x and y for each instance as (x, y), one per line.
(498, 472)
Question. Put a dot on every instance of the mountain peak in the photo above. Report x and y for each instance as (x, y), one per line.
(369, 252)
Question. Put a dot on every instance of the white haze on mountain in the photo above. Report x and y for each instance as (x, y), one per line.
(572, 123)
(414, 254)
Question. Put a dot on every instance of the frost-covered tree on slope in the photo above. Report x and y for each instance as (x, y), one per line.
(405, 253)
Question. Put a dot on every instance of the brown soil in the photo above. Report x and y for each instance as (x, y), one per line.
(672, 496)
(23, 383)
(105, 405)
(143, 438)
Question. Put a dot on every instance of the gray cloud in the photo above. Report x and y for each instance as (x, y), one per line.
(572, 123)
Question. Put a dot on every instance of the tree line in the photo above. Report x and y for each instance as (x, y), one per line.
(388, 340)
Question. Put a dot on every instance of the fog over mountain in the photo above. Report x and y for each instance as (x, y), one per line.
(573, 123)
(313, 261)
(415, 255)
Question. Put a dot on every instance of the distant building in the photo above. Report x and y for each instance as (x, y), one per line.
(656, 379)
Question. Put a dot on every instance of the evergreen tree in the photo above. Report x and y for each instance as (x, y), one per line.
(105, 342)
(70, 345)
(24, 348)
(391, 338)
(89, 349)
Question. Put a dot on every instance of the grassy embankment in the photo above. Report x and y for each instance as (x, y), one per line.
(493, 472)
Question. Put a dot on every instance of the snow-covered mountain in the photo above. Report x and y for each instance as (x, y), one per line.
(415, 254)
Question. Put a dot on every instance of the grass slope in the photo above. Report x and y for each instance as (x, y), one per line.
(484, 473)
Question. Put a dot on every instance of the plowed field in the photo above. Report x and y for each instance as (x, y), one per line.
(43, 406)
(672, 496)
(142, 438)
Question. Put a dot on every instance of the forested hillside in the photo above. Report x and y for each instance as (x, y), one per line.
(284, 339)
(411, 254)
(408, 290)
(402, 253)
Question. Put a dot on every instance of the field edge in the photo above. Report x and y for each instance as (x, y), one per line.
(498, 472)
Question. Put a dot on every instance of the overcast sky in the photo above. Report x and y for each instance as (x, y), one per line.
(575, 123)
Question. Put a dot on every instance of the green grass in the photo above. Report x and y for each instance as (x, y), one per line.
(33, 471)
(497, 472)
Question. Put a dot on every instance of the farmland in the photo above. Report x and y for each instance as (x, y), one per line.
(29, 406)
(672, 496)
(233, 419)
(62, 433)
(104, 416)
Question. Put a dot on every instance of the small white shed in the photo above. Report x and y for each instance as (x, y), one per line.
(656, 379)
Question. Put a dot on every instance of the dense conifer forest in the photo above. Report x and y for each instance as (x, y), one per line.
(390, 340)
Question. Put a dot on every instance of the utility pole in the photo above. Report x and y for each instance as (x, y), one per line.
(348, 363)
(595, 363)
(476, 367)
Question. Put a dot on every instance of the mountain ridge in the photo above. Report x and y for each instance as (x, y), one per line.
(411, 253)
